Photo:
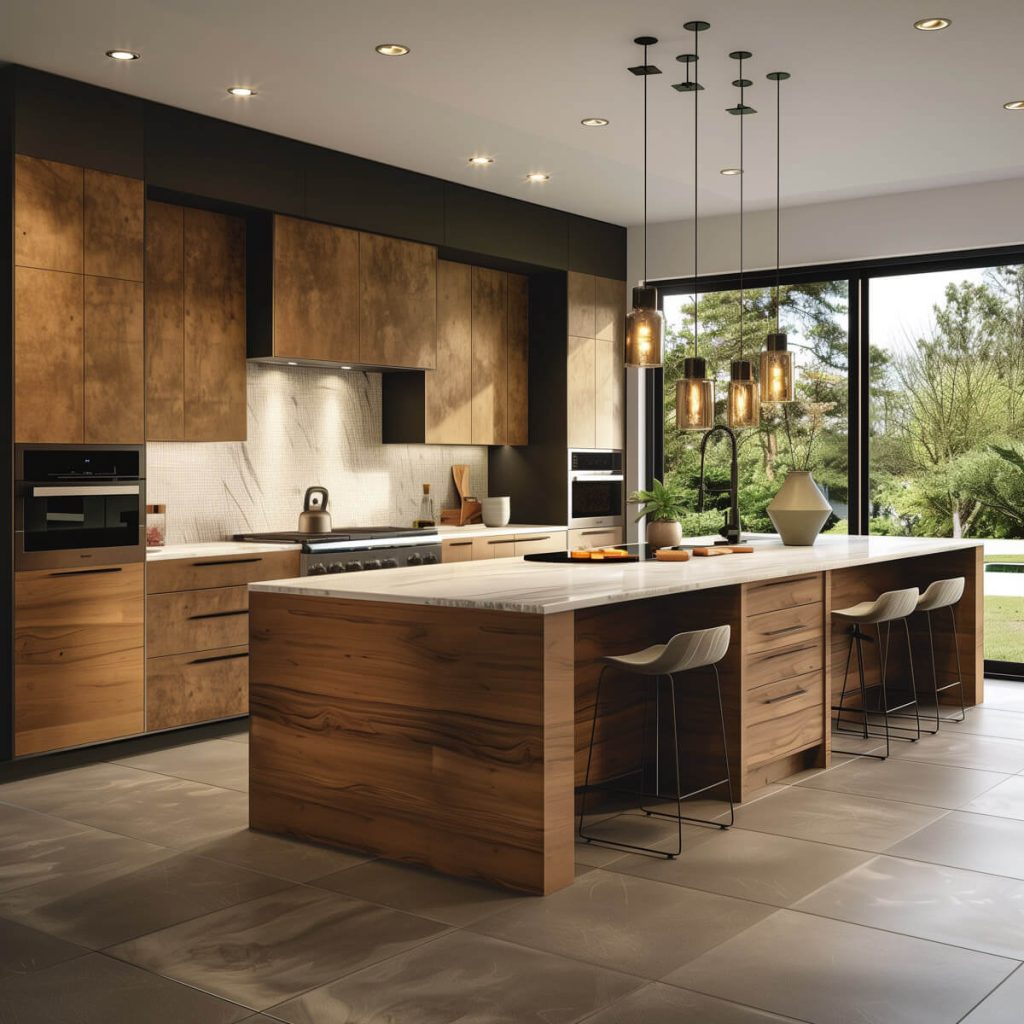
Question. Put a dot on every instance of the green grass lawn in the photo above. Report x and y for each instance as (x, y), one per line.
(1004, 558)
(1004, 629)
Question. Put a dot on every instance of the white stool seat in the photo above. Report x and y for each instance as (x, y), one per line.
(892, 605)
(941, 594)
(696, 649)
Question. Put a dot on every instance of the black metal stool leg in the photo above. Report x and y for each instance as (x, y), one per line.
(935, 674)
(590, 755)
(959, 672)
(883, 657)
(679, 787)
(725, 749)
(913, 683)
(856, 636)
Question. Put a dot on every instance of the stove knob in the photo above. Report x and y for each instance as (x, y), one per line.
(389, 563)
(336, 567)
(317, 569)
(371, 565)
(353, 566)
(430, 559)
(414, 560)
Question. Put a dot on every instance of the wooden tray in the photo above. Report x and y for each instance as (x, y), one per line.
(563, 558)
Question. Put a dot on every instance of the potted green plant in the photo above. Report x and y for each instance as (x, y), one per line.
(663, 505)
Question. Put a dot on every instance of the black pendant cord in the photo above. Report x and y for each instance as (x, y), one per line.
(696, 171)
(778, 197)
(645, 166)
(742, 174)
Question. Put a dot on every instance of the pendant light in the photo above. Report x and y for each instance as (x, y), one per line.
(742, 408)
(778, 373)
(645, 326)
(695, 392)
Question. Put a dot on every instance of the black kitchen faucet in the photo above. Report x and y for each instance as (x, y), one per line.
(731, 527)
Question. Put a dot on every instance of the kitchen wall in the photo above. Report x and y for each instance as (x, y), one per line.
(306, 426)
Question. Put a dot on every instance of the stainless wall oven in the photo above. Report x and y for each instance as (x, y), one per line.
(79, 505)
(596, 484)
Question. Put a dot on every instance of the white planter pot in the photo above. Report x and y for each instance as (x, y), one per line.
(799, 510)
(664, 535)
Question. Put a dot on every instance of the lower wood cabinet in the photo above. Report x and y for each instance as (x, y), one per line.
(597, 537)
(509, 545)
(79, 656)
(202, 686)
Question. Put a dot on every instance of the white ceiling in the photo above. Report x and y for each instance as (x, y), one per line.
(874, 106)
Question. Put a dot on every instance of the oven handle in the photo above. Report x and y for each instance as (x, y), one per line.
(613, 477)
(85, 490)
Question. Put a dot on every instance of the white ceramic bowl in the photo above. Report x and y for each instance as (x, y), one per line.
(496, 511)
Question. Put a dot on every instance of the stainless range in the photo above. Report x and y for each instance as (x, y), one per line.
(358, 549)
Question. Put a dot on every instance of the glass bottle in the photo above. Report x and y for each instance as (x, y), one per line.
(426, 516)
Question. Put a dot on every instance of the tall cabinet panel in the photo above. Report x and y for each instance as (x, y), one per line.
(582, 397)
(114, 212)
(165, 322)
(490, 366)
(48, 201)
(518, 360)
(449, 388)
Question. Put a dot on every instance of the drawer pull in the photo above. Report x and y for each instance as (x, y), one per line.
(85, 572)
(228, 561)
(510, 540)
(785, 653)
(594, 533)
(785, 696)
(218, 615)
(459, 543)
(218, 657)
(784, 629)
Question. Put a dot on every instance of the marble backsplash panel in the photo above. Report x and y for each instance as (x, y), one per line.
(306, 426)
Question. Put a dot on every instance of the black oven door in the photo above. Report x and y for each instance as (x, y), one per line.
(596, 501)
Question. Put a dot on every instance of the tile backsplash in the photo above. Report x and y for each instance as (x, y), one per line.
(306, 426)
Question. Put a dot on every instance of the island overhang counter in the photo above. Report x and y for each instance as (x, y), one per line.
(441, 715)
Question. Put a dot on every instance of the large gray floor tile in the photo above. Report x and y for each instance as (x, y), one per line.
(624, 923)
(749, 865)
(986, 721)
(275, 855)
(24, 950)
(461, 978)
(662, 1004)
(935, 785)
(155, 808)
(977, 842)
(831, 972)
(21, 829)
(1004, 1006)
(965, 750)
(115, 905)
(213, 762)
(97, 990)
(931, 901)
(1004, 801)
(271, 949)
(841, 819)
(1004, 695)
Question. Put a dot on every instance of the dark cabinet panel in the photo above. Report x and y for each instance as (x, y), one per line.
(596, 247)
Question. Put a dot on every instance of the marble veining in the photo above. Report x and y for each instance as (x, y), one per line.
(538, 588)
(306, 426)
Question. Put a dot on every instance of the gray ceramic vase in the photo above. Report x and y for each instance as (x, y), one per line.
(799, 510)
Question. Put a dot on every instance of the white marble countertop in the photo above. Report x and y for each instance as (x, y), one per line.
(476, 530)
(213, 549)
(538, 588)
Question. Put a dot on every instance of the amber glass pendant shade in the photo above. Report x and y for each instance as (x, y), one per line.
(695, 397)
(778, 376)
(743, 408)
(645, 330)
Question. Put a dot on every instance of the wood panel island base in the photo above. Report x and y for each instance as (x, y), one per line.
(441, 715)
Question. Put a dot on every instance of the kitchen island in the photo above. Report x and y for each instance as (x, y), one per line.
(441, 715)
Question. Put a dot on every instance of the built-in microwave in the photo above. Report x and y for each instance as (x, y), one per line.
(596, 484)
(79, 505)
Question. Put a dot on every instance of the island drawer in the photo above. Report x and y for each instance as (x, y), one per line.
(185, 688)
(769, 631)
(774, 666)
(784, 697)
(778, 737)
(196, 620)
(776, 595)
(173, 574)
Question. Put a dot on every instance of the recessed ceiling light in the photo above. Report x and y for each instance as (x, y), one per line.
(122, 55)
(481, 161)
(241, 90)
(594, 122)
(932, 24)
(1014, 105)
(730, 171)
(392, 49)
(346, 367)
(291, 362)
(537, 177)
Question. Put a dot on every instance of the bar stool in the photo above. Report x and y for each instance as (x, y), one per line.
(892, 606)
(938, 595)
(685, 652)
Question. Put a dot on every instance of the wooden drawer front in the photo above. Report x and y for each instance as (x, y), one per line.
(596, 538)
(164, 577)
(196, 620)
(186, 688)
(494, 547)
(532, 543)
(774, 595)
(784, 697)
(457, 550)
(783, 735)
(771, 631)
(773, 666)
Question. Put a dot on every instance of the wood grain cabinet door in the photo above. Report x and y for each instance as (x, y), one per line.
(609, 424)
(47, 215)
(582, 305)
(449, 387)
(518, 360)
(114, 213)
(582, 396)
(114, 361)
(490, 355)
(214, 361)
(610, 311)
(397, 302)
(78, 656)
(165, 322)
(316, 291)
(48, 391)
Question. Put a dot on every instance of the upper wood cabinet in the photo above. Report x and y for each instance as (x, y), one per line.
(449, 388)
(595, 373)
(397, 302)
(78, 338)
(490, 356)
(518, 360)
(315, 291)
(195, 322)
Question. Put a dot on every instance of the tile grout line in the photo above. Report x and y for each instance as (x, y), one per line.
(988, 995)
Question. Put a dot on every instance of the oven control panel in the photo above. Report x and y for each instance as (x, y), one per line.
(335, 563)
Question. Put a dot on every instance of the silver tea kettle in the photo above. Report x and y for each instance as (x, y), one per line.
(314, 517)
